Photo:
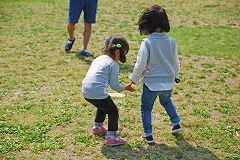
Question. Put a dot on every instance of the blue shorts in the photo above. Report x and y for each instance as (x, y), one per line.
(89, 7)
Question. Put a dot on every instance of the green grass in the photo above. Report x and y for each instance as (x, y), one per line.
(44, 116)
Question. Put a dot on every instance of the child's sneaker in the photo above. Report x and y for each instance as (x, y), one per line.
(115, 141)
(99, 131)
(176, 128)
(148, 139)
(69, 44)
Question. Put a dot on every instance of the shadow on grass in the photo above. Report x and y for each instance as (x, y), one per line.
(87, 60)
(183, 150)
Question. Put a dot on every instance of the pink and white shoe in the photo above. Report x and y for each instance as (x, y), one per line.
(99, 131)
(115, 141)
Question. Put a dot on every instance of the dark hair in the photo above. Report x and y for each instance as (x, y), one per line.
(114, 43)
(153, 18)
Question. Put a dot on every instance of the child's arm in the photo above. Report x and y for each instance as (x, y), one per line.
(176, 61)
(140, 64)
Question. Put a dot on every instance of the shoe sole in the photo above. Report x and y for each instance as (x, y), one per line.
(86, 55)
(149, 142)
(111, 145)
(177, 130)
(99, 134)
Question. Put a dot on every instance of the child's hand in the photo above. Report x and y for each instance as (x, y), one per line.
(129, 88)
(132, 83)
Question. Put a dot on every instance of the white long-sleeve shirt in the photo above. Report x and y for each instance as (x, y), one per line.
(158, 62)
(102, 73)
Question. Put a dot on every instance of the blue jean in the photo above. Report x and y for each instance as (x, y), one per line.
(147, 102)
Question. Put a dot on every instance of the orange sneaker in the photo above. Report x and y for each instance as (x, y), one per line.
(99, 131)
(115, 141)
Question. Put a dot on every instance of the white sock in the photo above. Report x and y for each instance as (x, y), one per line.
(112, 134)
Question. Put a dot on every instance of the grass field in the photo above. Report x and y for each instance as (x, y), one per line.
(44, 116)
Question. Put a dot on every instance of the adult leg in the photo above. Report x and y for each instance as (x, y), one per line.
(74, 12)
(90, 11)
(70, 29)
(86, 35)
(70, 41)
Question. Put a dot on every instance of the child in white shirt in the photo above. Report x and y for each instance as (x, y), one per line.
(158, 62)
(102, 73)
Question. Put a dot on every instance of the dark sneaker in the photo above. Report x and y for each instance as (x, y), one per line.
(148, 139)
(176, 128)
(69, 44)
(85, 53)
